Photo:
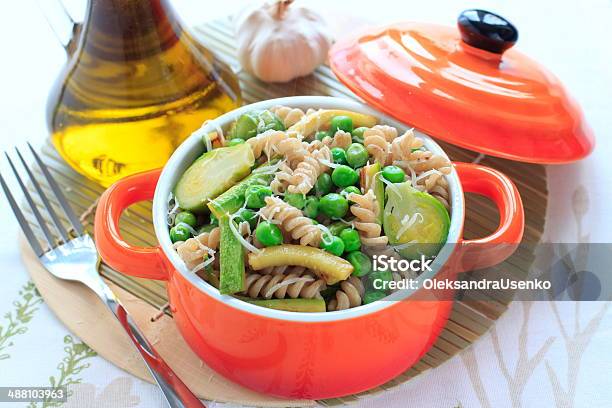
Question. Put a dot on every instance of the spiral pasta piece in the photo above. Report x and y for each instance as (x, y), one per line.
(405, 147)
(292, 221)
(341, 139)
(296, 283)
(349, 295)
(376, 143)
(194, 250)
(293, 150)
(282, 178)
(436, 185)
(365, 209)
(308, 170)
(266, 142)
(289, 116)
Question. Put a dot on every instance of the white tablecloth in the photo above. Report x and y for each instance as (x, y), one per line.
(538, 354)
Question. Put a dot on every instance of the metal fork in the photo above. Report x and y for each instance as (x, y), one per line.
(73, 256)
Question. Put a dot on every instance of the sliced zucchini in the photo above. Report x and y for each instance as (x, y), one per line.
(414, 221)
(211, 174)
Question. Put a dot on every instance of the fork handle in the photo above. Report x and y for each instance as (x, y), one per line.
(176, 392)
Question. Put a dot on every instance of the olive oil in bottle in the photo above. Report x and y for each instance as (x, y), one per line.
(135, 86)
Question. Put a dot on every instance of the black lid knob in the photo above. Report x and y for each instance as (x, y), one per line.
(487, 31)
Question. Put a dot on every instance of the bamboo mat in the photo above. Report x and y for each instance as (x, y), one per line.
(469, 319)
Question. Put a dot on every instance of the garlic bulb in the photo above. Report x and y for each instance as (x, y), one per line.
(278, 42)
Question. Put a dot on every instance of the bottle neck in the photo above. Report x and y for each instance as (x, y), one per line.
(129, 29)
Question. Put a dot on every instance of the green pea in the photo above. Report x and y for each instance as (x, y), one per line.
(337, 227)
(179, 233)
(373, 296)
(334, 246)
(344, 176)
(244, 214)
(321, 134)
(255, 196)
(268, 234)
(356, 155)
(350, 189)
(245, 126)
(341, 123)
(235, 141)
(351, 239)
(323, 184)
(384, 276)
(362, 264)
(311, 207)
(333, 205)
(186, 217)
(394, 174)
(295, 199)
(358, 134)
(338, 155)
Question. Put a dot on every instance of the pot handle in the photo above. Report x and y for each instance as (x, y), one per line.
(142, 262)
(491, 250)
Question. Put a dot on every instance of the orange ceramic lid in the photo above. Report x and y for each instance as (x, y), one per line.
(465, 86)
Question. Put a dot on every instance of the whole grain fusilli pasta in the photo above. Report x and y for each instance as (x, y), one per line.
(365, 209)
(341, 139)
(376, 143)
(308, 170)
(266, 143)
(349, 295)
(293, 150)
(436, 185)
(405, 147)
(292, 221)
(282, 178)
(295, 283)
(289, 116)
(194, 250)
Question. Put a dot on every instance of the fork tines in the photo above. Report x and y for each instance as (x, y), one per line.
(56, 194)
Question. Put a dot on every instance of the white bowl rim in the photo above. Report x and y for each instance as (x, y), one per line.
(192, 147)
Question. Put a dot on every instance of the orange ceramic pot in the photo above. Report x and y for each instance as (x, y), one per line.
(304, 355)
